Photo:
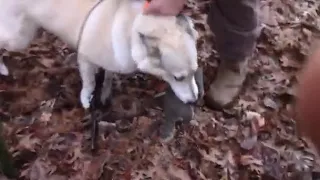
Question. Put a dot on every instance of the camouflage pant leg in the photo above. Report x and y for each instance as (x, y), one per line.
(236, 26)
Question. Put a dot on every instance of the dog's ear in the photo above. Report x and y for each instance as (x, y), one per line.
(145, 35)
(151, 44)
(186, 23)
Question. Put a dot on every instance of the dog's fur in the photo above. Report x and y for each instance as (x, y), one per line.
(116, 37)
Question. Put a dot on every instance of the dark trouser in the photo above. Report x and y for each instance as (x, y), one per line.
(236, 27)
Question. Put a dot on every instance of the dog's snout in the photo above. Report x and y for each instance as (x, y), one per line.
(187, 99)
(186, 91)
(192, 102)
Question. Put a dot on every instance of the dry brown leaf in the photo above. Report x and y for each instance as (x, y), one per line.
(288, 62)
(39, 170)
(29, 142)
(96, 166)
(253, 163)
(177, 173)
(46, 62)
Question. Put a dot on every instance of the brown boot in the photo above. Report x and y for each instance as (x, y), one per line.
(227, 85)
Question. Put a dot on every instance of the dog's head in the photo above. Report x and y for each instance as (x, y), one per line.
(166, 47)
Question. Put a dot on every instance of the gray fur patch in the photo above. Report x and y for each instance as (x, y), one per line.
(185, 23)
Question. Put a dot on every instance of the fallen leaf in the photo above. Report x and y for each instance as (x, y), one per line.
(253, 163)
(46, 62)
(29, 142)
(268, 102)
(289, 63)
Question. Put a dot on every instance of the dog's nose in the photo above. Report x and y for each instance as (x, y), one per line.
(192, 102)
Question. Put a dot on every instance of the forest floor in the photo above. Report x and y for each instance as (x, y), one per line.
(47, 130)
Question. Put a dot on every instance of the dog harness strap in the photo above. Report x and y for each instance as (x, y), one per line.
(84, 23)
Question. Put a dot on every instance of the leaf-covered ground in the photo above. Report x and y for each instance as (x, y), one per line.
(47, 130)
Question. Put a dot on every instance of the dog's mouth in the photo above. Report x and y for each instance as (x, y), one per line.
(186, 91)
(190, 90)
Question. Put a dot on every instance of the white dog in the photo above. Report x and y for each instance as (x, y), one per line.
(112, 34)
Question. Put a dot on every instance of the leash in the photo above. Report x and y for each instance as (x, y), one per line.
(92, 108)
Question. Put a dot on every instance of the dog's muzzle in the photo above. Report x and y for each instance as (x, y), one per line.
(187, 93)
(191, 90)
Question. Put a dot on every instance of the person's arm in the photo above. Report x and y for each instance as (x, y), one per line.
(165, 7)
(308, 99)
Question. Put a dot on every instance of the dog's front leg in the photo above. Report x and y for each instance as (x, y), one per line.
(87, 73)
(106, 87)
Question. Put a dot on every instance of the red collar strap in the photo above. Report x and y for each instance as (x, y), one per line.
(146, 4)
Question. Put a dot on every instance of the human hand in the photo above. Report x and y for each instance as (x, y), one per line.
(165, 7)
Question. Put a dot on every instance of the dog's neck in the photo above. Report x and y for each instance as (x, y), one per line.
(107, 34)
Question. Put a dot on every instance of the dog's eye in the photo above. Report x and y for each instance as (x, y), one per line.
(179, 78)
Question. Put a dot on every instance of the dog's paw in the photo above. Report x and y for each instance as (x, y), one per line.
(85, 98)
(85, 103)
(3, 69)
